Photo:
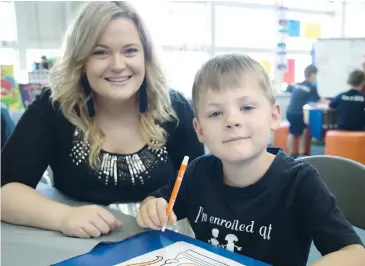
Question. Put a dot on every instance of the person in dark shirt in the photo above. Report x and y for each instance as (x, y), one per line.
(241, 197)
(302, 93)
(109, 127)
(350, 105)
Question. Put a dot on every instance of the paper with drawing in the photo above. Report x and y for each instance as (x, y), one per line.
(180, 254)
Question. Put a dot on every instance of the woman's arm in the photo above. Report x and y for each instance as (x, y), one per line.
(24, 159)
(23, 205)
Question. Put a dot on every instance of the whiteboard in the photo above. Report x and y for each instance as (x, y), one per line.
(335, 59)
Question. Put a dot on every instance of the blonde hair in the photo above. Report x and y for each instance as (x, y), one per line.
(228, 71)
(65, 76)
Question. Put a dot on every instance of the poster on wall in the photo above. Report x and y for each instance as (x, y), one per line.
(29, 92)
(289, 74)
(10, 94)
(266, 64)
(294, 28)
(312, 31)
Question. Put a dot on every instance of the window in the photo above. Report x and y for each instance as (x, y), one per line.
(260, 2)
(245, 27)
(7, 21)
(318, 5)
(181, 67)
(8, 56)
(354, 18)
(176, 23)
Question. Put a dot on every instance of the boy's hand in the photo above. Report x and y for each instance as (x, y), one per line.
(152, 214)
(88, 221)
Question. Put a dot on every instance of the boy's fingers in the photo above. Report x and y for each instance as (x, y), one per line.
(146, 213)
(153, 214)
(172, 218)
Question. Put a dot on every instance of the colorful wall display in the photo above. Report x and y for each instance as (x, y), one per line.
(29, 92)
(10, 94)
(312, 31)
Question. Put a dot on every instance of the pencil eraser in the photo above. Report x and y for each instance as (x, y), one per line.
(186, 160)
(163, 228)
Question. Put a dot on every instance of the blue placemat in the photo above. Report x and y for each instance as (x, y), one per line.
(140, 244)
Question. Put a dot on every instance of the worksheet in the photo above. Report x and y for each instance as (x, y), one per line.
(180, 254)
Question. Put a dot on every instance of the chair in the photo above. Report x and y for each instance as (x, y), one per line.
(346, 180)
(347, 144)
(281, 136)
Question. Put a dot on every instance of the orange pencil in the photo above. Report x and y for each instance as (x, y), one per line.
(176, 188)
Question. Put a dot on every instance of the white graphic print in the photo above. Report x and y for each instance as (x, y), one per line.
(231, 239)
(213, 240)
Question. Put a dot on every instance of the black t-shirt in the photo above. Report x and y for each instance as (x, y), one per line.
(301, 94)
(273, 220)
(350, 106)
(43, 137)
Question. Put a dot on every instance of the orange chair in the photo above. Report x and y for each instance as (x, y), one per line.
(281, 136)
(347, 144)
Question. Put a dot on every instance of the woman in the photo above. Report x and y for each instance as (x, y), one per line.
(108, 126)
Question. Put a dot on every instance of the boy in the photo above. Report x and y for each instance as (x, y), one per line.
(350, 105)
(301, 94)
(265, 206)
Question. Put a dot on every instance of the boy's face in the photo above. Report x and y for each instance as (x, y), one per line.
(313, 77)
(236, 123)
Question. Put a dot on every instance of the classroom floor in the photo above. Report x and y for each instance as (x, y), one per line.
(317, 149)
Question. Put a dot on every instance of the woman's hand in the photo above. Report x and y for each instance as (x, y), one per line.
(88, 221)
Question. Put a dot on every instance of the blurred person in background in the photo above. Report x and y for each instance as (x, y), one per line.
(350, 105)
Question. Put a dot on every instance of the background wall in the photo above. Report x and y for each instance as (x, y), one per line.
(188, 32)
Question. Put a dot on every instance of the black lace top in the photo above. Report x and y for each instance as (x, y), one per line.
(44, 137)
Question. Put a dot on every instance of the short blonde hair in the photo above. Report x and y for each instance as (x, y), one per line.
(227, 71)
(65, 76)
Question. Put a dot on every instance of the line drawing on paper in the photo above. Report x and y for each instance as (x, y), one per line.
(180, 254)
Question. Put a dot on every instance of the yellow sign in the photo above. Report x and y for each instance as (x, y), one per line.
(267, 65)
(312, 31)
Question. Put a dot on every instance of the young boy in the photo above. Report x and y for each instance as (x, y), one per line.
(350, 105)
(241, 197)
(301, 94)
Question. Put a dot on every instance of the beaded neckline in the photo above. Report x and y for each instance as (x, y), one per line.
(116, 169)
(102, 151)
